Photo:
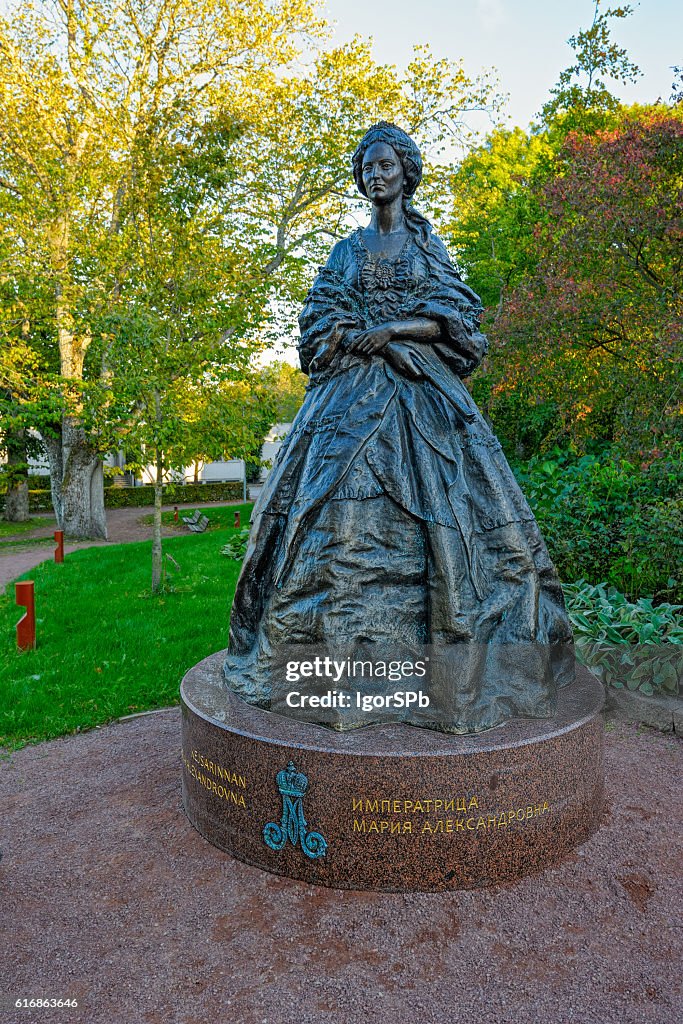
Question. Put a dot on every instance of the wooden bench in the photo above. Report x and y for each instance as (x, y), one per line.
(193, 519)
(199, 526)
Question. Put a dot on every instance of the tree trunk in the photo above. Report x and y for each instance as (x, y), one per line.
(76, 474)
(16, 499)
(77, 484)
(157, 565)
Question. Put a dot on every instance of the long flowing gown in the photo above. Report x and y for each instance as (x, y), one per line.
(391, 516)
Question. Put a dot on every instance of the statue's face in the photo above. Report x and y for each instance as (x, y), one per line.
(382, 173)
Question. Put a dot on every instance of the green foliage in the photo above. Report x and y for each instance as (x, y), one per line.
(492, 212)
(592, 330)
(287, 385)
(173, 494)
(39, 500)
(605, 518)
(581, 98)
(12, 529)
(236, 547)
(143, 497)
(637, 646)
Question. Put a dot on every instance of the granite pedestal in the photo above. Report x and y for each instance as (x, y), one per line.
(390, 807)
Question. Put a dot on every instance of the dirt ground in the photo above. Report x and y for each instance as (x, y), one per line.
(110, 897)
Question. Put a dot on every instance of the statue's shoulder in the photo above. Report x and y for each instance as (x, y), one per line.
(342, 254)
(438, 247)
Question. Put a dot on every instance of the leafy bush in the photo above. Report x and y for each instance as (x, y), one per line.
(139, 497)
(635, 645)
(604, 518)
(174, 494)
(236, 548)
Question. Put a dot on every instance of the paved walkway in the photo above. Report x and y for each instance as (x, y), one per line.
(111, 898)
(124, 525)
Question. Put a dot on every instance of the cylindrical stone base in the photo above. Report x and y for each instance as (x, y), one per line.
(390, 807)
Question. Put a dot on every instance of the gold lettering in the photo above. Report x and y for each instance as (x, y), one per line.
(359, 826)
(395, 827)
(357, 804)
(481, 823)
(407, 827)
(371, 806)
(216, 769)
(386, 806)
(460, 804)
(473, 803)
(427, 827)
(450, 805)
(373, 827)
(470, 827)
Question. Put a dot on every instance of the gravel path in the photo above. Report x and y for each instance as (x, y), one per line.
(124, 525)
(109, 896)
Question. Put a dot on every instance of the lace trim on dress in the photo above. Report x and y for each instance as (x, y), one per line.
(386, 281)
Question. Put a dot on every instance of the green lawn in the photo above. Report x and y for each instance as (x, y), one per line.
(219, 517)
(16, 529)
(106, 646)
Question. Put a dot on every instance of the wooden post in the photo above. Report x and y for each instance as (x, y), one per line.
(238, 521)
(59, 550)
(26, 626)
(175, 513)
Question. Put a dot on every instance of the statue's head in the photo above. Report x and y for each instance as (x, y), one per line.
(404, 147)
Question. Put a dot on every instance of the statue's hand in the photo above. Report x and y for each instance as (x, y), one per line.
(374, 340)
(407, 359)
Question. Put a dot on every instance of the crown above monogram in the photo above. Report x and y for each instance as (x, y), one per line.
(291, 782)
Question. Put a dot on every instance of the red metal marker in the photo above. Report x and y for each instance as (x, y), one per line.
(175, 513)
(238, 521)
(59, 550)
(26, 626)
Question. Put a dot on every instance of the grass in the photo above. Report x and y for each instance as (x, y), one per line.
(106, 646)
(219, 518)
(15, 529)
(24, 544)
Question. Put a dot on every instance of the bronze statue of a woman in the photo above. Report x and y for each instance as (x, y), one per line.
(391, 519)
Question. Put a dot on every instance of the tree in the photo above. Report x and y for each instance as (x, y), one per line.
(219, 231)
(499, 214)
(598, 327)
(82, 86)
(131, 202)
(494, 211)
(288, 386)
(581, 100)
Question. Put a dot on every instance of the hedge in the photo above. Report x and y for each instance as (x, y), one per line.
(174, 494)
(139, 497)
